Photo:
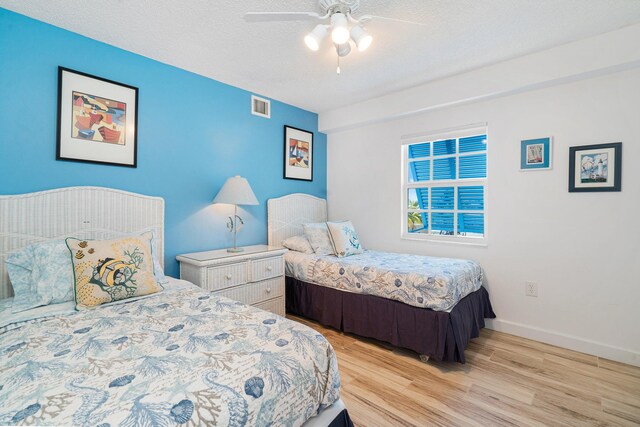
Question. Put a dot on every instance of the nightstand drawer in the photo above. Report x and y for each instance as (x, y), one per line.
(226, 276)
(266, 268)
(256, 292)
(274, 305)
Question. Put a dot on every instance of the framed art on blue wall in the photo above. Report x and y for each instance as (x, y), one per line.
(535, 154)
(595, 168)
(97, 120)
(298, 154)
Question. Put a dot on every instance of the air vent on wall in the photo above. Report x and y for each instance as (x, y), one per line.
(260, 107)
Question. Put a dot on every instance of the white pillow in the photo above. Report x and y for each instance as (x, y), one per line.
(318, 237)
(344, 238)
(298, 244)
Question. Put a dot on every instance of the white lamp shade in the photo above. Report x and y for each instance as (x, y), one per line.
(340, 32)
(236, 191)
(315, 37)
(361, 37)
(343, 49)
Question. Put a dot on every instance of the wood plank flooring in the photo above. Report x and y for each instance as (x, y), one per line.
(507, 380)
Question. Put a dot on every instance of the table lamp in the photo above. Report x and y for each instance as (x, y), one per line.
(236, 191)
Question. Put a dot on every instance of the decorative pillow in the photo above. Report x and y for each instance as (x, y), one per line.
(318, 237)
(344, 238)
(40, 274)
(158, 272)
(112, 270)
(298, 244)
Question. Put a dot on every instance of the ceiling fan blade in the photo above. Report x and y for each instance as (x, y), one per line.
(367, 18)
(280, 16)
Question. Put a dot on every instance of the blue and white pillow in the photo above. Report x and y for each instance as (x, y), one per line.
(158, 272)
(318, 236)
(344, 238)
(40, 274)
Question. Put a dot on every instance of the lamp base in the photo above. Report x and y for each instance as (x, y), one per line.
(235, 250)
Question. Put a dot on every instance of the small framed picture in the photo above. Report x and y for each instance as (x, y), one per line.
(535, 154)
(97, 120)
(595, 168)
(298, 154)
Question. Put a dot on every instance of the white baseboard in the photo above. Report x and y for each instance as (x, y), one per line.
(571, 342)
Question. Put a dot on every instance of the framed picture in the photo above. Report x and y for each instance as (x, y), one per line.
(298, 154)
(595, 168)
(97, 120)
(535, 154)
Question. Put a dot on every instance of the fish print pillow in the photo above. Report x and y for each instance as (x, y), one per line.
(318, 236)
(111, 270)
(344, 238)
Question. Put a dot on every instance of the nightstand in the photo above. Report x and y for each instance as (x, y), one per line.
(254, 276)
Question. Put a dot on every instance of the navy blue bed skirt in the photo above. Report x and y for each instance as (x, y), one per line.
(342, 420)
(440, 335)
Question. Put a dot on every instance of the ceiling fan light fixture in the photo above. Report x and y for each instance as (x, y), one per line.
(340, 32)
(315, 37)
(361, 38)
(343, 26)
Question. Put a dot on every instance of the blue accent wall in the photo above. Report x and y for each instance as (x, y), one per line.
(193, 133)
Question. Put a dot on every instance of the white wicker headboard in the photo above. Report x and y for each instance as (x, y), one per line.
(83, 212)
(288, 213)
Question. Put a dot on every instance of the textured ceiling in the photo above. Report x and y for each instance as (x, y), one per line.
(211, 38)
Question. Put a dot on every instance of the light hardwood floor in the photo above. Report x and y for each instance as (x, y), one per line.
(507, 380)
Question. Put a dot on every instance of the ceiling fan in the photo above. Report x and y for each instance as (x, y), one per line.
(344, 28)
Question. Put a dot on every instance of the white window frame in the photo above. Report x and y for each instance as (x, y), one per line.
(432, 137)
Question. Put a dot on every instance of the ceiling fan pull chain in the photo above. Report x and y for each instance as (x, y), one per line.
(338, 69)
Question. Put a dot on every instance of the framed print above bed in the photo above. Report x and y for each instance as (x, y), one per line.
(97, 120)
(595, 168)
(298, 154)
(535, 154)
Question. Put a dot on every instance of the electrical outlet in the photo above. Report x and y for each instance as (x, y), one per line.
(531, 289)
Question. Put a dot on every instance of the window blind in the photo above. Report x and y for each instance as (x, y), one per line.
(447, 180)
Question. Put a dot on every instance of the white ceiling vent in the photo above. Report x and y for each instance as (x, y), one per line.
(260, 107)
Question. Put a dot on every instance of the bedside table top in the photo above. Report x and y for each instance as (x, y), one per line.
(200, 258)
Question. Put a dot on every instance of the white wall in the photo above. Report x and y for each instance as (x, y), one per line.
(583, 249)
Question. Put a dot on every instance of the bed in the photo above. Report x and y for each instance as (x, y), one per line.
(181, 356)
(430, 305)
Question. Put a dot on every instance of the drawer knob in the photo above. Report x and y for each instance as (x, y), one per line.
(269, 268)
(268, 290)
(228, 277)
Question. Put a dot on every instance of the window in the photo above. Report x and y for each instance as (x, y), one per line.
(444, 187)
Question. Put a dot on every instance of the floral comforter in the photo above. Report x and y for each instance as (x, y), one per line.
(420, 281)
(183, 356)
